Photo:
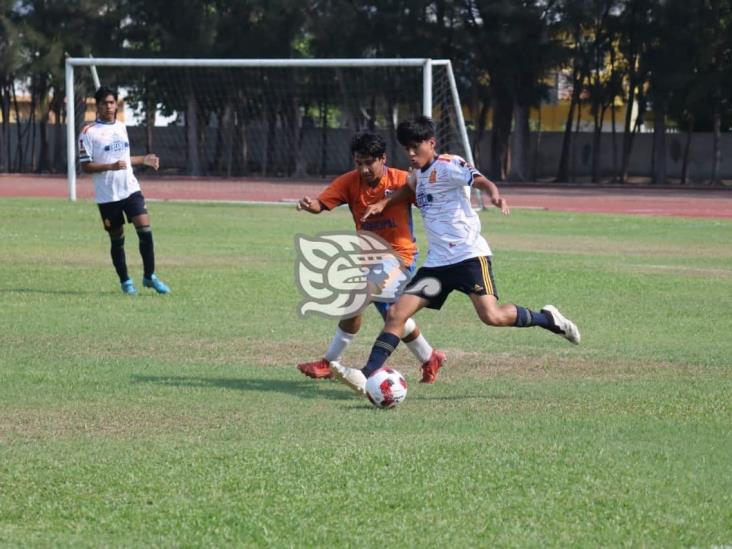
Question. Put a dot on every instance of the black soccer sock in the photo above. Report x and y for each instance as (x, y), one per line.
(526, 318)
(117, 251)
(383, 347)
(147, 250)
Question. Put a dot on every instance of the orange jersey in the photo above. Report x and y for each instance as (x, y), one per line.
(394, 224)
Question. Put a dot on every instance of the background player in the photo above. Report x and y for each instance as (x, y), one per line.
(368, 183)
(104, 152)
(458, 258)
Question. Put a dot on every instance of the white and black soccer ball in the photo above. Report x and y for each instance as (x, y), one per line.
(386, 388)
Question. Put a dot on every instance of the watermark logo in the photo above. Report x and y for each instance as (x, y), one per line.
(339, 274)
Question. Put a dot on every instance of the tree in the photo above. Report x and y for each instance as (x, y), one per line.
(603, 83)
(151, 29)
(670, 67)
(716, 69)
(635, 23)
(513, 43)
(9, 64)
(574, 19)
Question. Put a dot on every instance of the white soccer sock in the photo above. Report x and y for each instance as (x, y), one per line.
(419, 346)
(341, 340)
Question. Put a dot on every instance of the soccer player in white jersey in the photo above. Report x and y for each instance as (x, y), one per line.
(104, 152)
(458, 257)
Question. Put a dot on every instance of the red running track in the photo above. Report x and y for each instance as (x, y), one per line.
(712, 203)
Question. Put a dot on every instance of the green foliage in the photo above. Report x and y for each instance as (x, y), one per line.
(672, 55)
(180, 420)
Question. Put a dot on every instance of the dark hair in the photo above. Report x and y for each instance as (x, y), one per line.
(103, 92)
(415, 131)
(368, 144)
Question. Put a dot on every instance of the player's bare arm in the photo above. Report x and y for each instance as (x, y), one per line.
(150, 160)
(485, 184)
(400, 195)
(97, 167)
(312, 205)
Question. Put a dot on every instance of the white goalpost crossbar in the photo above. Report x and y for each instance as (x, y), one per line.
(92, 63)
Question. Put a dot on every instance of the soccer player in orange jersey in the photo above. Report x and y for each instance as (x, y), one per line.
(371, 181)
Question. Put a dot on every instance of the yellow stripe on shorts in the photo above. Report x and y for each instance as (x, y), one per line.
(486, 275)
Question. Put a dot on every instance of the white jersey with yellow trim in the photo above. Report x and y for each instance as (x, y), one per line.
(451, 224)
(105, 143)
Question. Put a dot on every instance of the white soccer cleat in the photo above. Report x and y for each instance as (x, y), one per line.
(569, 329)
(350, 376)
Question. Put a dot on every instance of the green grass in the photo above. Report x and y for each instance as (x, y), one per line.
(180, 420)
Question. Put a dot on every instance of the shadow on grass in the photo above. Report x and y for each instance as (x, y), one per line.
(49, 292)
(299, 388)
(486, 397)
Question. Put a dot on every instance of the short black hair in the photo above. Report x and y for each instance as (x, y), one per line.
(368, 144)
(104, 91)
(415, 131)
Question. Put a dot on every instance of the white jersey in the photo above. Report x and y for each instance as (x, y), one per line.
(104, 143)
(451, 224)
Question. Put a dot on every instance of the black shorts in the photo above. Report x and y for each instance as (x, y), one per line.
(112, 212)
(472, 276)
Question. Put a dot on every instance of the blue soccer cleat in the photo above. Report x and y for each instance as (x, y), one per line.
(128, 287)
(155, 283)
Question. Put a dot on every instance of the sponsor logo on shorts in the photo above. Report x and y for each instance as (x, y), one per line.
(428, 287)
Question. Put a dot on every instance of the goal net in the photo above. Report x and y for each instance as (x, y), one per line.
(264, 118)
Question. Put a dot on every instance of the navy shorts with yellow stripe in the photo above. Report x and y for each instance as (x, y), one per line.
(113, 212)
(472, 276)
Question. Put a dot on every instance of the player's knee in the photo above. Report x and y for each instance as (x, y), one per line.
(350, 325)
(395, 318)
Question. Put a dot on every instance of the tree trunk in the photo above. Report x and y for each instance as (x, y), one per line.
(323, 121)
(5, 113)
(216, 165)
(35, 100)
(43, 156)
(612, 123)
(241, 147)
(18, 129)
(298, 135)
(659, 143)
(269, 138)
(194, 159)
(636, 128)
(716, 149)
(57, 157)
(227, 121)
(563, 169)
(479, 134)
(596, 140)
(537, 149)
(572, 149)
(687, 149)
(149, 124)
(627, 133)
(502, 116)
(520, 144)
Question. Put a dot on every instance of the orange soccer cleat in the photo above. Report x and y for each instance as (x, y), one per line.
(432, 366)
(317, 370)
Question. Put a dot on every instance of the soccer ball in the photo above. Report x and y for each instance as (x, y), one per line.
(386, 388)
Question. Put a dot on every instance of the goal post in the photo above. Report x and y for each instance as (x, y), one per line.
(264, 117)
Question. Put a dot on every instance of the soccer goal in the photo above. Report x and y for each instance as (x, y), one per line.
(268, 118)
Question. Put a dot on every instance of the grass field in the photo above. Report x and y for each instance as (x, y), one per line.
(180, 420)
